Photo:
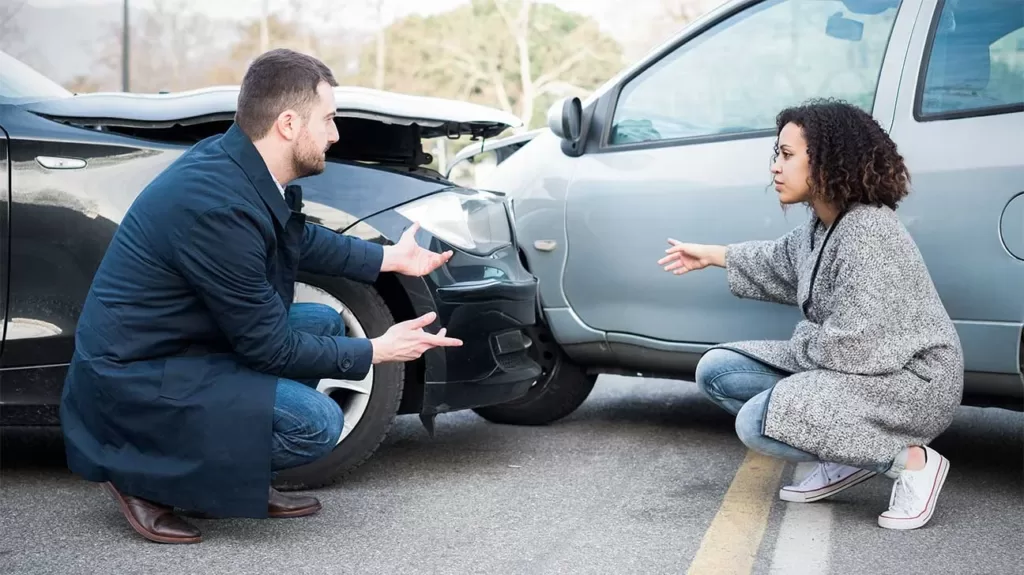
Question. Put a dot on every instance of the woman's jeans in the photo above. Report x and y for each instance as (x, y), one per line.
(742, 386)
(307, 423)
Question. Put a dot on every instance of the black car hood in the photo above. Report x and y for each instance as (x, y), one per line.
(435, 116)
(346, 192)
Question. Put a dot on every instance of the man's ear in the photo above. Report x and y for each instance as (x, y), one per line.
(288, 125)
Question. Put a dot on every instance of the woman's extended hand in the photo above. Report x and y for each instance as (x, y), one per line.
(684, 258)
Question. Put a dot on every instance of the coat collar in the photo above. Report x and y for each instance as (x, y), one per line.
(244, 153)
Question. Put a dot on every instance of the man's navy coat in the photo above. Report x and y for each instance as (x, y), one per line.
(184, 333)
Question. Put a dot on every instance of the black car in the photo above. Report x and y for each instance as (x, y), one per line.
(71, 165)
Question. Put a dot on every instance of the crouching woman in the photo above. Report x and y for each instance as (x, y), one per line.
(874, 370)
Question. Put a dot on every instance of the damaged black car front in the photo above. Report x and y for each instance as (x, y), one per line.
(75, 163)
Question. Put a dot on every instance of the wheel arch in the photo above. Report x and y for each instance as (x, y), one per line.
(394, 293)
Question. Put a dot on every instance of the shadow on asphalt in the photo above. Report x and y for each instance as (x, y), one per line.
(988, 442)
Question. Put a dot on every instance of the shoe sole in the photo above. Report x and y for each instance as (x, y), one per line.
(906, 523)
(123, 505)
(793, 496)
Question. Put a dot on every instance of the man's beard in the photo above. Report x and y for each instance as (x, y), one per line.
(307, 160)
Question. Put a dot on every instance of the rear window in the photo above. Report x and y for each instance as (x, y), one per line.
(974, 62)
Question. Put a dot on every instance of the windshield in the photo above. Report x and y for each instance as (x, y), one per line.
(19, 82)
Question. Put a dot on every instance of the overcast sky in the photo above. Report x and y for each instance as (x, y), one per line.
(599, 9)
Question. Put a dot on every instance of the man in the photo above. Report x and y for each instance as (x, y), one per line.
(182, 391)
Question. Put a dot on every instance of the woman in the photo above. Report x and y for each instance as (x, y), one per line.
(874, 370)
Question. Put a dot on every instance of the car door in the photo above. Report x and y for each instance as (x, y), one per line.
(959, 122)
(683, 149)
(5, 248)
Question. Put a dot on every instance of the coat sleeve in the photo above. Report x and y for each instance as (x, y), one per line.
(871, 327)
(222, 256)
(764, 270)
(330, 253)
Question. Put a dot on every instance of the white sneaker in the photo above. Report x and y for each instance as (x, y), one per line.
(826, 480)
(914, 494)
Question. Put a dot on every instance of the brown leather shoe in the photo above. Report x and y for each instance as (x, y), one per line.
(154, 521)
(283, 506)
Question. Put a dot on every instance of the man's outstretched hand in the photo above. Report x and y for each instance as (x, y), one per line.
(408, 258)
(407, 341)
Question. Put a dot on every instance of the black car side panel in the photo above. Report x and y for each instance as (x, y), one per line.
(61, 221)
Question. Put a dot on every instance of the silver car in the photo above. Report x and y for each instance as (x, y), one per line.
(679, 145)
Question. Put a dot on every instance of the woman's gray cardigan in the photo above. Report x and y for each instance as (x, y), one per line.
(876, 363)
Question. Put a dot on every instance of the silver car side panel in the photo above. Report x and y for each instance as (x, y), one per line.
(965, 172)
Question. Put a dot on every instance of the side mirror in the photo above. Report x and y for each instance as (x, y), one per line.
(565, 119)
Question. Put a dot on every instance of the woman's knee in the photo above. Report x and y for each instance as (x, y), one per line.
(713, 364)
(749, 426)
(749, 422)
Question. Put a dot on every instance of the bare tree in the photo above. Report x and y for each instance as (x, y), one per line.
(381, 47)
(553, 77)
(168, 38)
(681, 12)
(551, 80)
(264, 26)
(516, 55)
(10, 32)
(177, 34)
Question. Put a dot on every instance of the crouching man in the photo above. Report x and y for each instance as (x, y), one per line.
(184, 389)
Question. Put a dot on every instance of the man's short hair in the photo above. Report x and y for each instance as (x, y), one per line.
(276, 81)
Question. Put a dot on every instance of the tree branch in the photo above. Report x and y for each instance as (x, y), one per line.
(498, 5)
(562, 68)
(463, 60)
(499, 90)
(561, 88)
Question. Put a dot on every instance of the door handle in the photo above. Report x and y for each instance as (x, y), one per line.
(545, 245)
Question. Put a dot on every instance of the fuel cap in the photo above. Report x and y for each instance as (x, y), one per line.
(1011, 226)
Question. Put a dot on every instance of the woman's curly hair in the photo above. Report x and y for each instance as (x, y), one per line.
(852, 159)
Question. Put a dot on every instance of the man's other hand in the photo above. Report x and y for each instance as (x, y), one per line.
(408, 258)
(407, 341)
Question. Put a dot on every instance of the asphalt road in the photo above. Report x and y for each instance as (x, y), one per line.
(647, 477)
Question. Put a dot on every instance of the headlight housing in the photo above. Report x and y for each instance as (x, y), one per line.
(471, 220)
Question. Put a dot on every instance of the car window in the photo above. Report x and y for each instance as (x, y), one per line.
(975, 60)
(737, 75)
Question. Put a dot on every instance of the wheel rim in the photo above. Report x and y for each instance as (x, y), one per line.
(351, 396)
(544, 351)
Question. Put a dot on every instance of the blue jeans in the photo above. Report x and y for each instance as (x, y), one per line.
(307, 423)
(741, 386)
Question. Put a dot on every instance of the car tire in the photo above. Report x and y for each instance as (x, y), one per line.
(369, 432)
(562, 387)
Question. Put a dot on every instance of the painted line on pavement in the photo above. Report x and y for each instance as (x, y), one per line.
(805, 535)
(731, 542)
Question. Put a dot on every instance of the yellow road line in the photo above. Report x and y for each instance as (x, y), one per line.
(730, 544)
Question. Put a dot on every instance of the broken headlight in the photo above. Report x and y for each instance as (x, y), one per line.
(471, 220)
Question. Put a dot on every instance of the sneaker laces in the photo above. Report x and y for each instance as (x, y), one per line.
(903, 496)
